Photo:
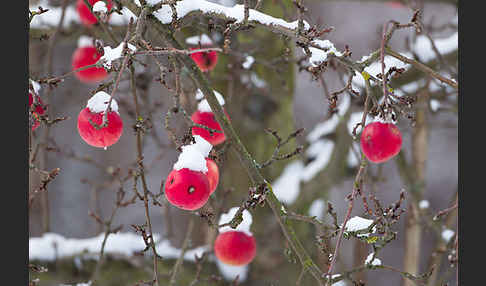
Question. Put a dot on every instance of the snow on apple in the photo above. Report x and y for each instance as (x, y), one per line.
(93, 114)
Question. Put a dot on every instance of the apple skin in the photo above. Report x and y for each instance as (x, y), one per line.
(208, 119)
(235, 248)
(39, 110)
(206, 61)
(213, 175)
(187, 189)
(85, 56)
(85, 15)
(103, 137)
(381, 141)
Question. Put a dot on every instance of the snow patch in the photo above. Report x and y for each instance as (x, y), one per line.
(447, 234)
(230, 272)
(244, 226)
(358, 223)
(375, 262)
(193, 156)
(99, 102)
(85, 41)
(356, 118)
(203, 105)
(317, 208)
(114, 54)
(236, 13)
(249, 60)
(319, 56)
(100, 6)
(52, 17)
(287, 186)
(434, 105)
(51, 246)
(36, 86)
(321, 151)
(424, 204)
(423, 47)
(203, 39)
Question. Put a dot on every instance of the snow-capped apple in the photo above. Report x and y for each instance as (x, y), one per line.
(187, 189)
(187, 185)
(207, 119)
(235, 247)
(213, 175)
(87, 18)
(99, 136)
(85, 56)
(381, 141)
(206, 61)
(38, 110)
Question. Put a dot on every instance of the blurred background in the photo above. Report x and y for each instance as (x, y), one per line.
(270, 94)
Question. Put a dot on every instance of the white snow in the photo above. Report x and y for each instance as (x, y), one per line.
(203, 39)
(447, 234)
(323, 128)
(36, 86)
(230, 272)
(99, 102)
(249, 60)
(339, 283)
(434, 104)
(358, 223)
(52, 245)
(321, 151)
(203, 105)
(424, 204)
(51, 18)
(318, 56)
(194, 155)
(375, 68)
(113, 54)
(317, 208)
(85, 41)
(166, 250)
(254, 79)
(423, 48)
(287, 186)
(375, 261)
(77, 284)
(244, 226)
(354, 119)
(100, 6)
(236, 13)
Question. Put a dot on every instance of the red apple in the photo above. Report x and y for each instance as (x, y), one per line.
(104, 137)
(39, 110)
(187, 189)
(213, 175)
(87, 18)
(207, 119)
(206, 61)
(381, 141)
(85, 56)
(235, 247)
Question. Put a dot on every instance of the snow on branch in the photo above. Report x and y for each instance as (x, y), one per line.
(236, 13)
